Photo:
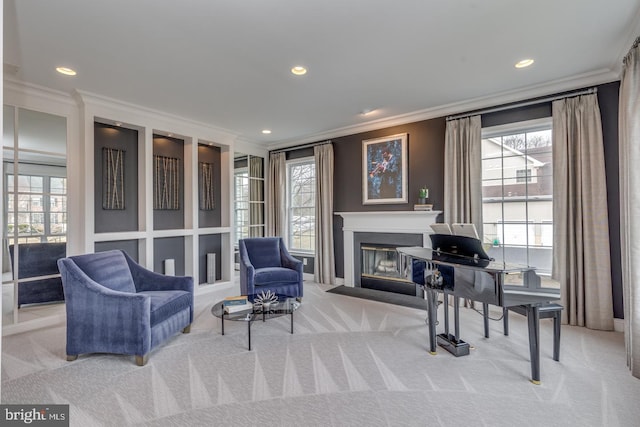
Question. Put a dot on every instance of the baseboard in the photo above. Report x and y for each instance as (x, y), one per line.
(618, 325)
(32, 325)
(339, 280)
(308, 277)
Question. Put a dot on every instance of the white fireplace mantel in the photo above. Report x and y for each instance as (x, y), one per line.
(411, 222)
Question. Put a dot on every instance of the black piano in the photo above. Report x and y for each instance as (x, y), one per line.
(458, 266)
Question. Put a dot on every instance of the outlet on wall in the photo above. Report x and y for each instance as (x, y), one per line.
(304, 261)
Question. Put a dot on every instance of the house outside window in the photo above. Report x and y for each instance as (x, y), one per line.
(517, 193)
(301, 200)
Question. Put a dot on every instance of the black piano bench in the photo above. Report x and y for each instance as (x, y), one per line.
(547, 311)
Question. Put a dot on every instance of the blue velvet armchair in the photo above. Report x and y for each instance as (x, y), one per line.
(265, 264)
(115, 305)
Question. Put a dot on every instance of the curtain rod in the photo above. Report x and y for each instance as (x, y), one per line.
(300, 147)
(524, 103)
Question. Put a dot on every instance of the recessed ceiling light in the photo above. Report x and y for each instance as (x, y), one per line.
(266, 131)
(367, 111)
(118, 123)
(169, 134)
(66, 71)
(524, 63)
(299, 70)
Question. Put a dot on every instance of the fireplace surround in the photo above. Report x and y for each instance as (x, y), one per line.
(385, 229)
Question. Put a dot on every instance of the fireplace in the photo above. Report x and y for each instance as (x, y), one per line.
(379, 270)
(384, 231)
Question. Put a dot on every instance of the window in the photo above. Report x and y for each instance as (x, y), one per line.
(517, 193)
(41, 214)
(523, 175)
(301, 186)
(241, 204)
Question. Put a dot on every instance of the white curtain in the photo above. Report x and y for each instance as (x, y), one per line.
(463, 172)
(581, 225)
(277, 198)
(324, 264)
(629, 151)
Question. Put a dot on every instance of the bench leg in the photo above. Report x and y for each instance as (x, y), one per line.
(556, 335)
(505, 320)
(485, 310)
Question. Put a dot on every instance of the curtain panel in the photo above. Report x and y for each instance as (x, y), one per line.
(324, 263)
(277, 198)
(463, 172)
(581, 227)
(629, 152)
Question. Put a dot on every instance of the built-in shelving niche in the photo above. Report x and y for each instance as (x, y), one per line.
(116, 179)
(166, 249)
(129, 246)
(168, 183)
(209, 176)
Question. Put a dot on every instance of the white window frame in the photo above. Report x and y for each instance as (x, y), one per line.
(237, 227)
(516, 128)
(289, 164)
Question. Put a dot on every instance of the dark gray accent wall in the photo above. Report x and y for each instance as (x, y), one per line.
(208, 154)
(129, 246)
(209, 243)
(309, 268)
(608, 101)
(426, 168)
(166, 248)
(170, 219)
(105, 136)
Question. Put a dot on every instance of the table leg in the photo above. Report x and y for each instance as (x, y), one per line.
(556, 336)
(249, 333)
(533, 318)
(222, 323)
(292, 322)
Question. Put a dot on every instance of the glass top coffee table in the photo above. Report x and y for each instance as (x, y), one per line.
(284, 306)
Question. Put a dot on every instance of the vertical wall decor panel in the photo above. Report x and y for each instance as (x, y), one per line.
(168, 183)
(115, 179)
(209, 190)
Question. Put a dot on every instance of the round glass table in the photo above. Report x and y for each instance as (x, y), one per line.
(261, 309)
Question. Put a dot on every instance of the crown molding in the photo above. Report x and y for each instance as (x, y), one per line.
(92, 99)
(19, 90)
(632, 35)
(522, 94)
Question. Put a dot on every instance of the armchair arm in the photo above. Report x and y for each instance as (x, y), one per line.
(247, 272)
(289, 261)
(103, 320)
(147, 280)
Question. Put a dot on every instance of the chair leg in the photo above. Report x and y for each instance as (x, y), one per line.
(71, 357)
(142, 360)
(299, 299)
(187, 329)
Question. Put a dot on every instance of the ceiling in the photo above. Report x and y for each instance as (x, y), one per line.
(227, 63)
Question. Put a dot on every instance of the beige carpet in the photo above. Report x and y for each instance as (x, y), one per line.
(350, 362)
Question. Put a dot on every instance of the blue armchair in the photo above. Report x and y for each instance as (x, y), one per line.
(116, 306)
(265, 264)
